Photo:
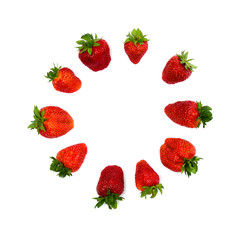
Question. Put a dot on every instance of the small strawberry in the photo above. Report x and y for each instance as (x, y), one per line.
(178, 69)
(178, 155)
(147, 180)
(51, 122)
(94, 52)
(136, 45)
(64, 79)
(69, 160)
(110, 186)
(188, 113)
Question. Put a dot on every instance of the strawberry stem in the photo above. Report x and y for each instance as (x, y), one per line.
(87, 42)
(59, 167)
(136, 36)
(184, 60)
(53, 73)
(190, 166)
(205, 114)
(110, 199)
(152, 190)
(38, 122)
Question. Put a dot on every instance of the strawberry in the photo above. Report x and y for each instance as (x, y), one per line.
(178, 155)
(94, 52)
(188, 113)
(51, 122)
(136, 45)
(147, 180)
(178, 69)
(69, 160)
(64, 79)
(110, 186)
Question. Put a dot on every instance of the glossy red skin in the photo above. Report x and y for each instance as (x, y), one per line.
(174, 71)
(73, 156)
(100, 57)
(184, 113)
(174, 151)
(135, 53)
(58, 122)
(145, 175)
(111, 178)
(66, 81)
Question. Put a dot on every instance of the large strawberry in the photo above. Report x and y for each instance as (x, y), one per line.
(178, 68)
(136, 45)
(69, 160)
(94, 52)
(110, 186)
(179, 156)
(188, 113)
(147, 180)
(51, 122)
(64, 79)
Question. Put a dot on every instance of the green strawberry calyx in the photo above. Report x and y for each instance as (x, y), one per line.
(38, 122)
(190, 166)
(136, 36)
(59, 167)
(184, 60)
(110, 199)
(87, 42)
(152, 190)
(53, 73)
(205, 114)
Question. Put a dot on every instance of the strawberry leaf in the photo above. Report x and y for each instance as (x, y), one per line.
(38, 122)
(100, 202)
(87, 42)
(184, 60)
(151, 190)
(205, 114)
(59, 167)
(136, 36)
(53, 73)
(89, 50)
(110, 199)
(190, 166)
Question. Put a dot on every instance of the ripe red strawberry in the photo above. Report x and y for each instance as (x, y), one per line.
(110, 186)
(51, 122)
(69, 160)
(178, 69)
(94, 52)
(64, 79)
(147, 180)
(188, 113)
(136, 45)
(179, 156)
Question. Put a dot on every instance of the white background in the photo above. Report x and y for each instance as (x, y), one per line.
(119, 114)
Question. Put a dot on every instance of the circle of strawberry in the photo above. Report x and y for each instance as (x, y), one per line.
(94, 52)
(178, 69)
(69, 160)
(110, 186)
(147, 180)
(51, 121)
(189, 113)
(64, 79)
(178, 155)
(136, 45)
